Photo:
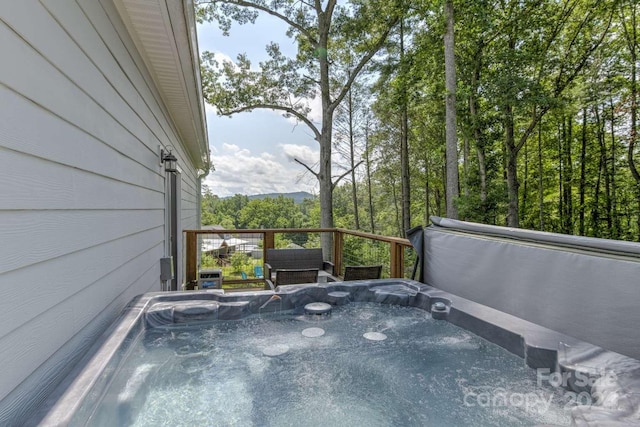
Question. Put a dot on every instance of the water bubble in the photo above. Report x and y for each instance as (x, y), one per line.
(275, 350)
(313, 332)
(375, 336)
(195, 364)
(184, 350)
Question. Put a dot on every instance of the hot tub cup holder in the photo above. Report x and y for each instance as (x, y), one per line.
(318, 309)
(439, 309)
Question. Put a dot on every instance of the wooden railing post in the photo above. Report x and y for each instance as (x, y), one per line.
(191, 270)
(269, 242)
(397, 260)
(338, 252)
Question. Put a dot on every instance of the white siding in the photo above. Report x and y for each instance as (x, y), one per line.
(82, 193)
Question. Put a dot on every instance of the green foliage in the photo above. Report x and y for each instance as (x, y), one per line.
(549, 85)
(529, 67)
(224, 212)
(271, 212)
(240, 262)
(207, 261)
(281, 241)
(330, 37)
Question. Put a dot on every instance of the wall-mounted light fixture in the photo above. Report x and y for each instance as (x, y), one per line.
(169, 160)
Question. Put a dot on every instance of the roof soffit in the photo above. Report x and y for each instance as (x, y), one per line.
(164, 34)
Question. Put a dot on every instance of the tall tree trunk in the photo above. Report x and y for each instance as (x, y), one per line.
(326, 192)
(604, 168)
(438, 196)
(607, 177)
(512, 168)
(525, 181)
(583, 175)
(477, 128)
(325, 179)
(465, 163)
(367, 160)
(560, 139)
(452, 186)
(427, 191)
(482, 171)
(634, 136)
(397, 207)
(615, 220)
(631, 35)
(511, 156)
(540, 179)
(404, 140)
(352, 155)
(595, 211)
(568, 178)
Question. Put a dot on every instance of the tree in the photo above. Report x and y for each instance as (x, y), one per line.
(546, 106)
(208, 205)
(568, 34)
(350, 129)
(405, 175)
(629, 22)
(271, 212)
(451, 132)
(324, 36)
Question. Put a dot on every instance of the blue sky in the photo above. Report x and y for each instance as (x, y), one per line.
(253, 152)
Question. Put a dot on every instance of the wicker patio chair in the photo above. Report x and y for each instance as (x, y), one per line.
(293, 277)
(362, 272)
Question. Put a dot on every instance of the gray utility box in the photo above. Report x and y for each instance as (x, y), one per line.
(210, 278)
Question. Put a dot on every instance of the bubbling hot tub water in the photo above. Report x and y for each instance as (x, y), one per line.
(388, 354)
(367, 364)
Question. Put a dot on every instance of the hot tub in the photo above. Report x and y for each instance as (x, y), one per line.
(385, 352)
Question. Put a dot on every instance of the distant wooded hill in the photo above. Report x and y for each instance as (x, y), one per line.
(297, 197)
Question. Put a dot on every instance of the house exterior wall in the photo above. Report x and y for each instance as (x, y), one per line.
(82, 191)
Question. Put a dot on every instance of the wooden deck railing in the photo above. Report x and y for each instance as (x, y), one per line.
(394, 261)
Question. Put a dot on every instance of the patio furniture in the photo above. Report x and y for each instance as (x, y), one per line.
(362, 272)
(293, 277)
(243, 275)
(278, 259)
(257, 272)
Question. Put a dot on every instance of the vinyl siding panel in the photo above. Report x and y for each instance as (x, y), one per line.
(27, 342)
(82, 191)
(40, 236)
(80, 150)
(59, 186)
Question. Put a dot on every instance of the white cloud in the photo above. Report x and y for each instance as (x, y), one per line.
(303, 153)
(315, 115)
(316, 109)
(223, 57)
(239, 171)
